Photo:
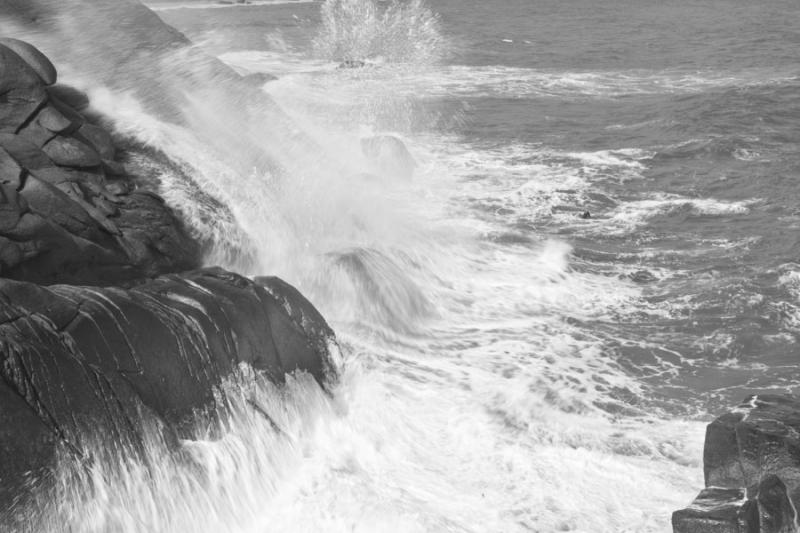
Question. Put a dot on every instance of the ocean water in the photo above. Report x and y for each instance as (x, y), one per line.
(508, 363)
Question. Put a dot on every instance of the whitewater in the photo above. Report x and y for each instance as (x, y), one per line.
(535, 329)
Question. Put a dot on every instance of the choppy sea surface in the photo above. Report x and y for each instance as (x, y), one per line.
(598, 253)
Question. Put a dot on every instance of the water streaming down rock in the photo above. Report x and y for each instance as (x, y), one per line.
(114, 376)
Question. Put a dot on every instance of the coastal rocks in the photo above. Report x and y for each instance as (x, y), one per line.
(21, 91)
(753, 449)
(389, 156)
(717, 510)
(33, 57)
(78, 360)
(111, 346)
(75, 216)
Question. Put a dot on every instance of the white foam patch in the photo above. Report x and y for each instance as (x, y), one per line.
(631, 215)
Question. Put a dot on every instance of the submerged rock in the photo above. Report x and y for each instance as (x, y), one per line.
(389, 155)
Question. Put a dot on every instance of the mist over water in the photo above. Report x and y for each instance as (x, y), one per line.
(507, 365)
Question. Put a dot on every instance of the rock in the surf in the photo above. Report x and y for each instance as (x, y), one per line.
(753, 449)
(88, 360)
(389, 155)
(21, 91)
(718, 510)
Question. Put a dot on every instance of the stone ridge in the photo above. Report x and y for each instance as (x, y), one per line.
(69, 212)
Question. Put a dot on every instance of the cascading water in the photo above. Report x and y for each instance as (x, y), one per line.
(474, 396)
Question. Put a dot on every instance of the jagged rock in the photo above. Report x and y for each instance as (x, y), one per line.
(24, 152)
(36, 134)
(83, 359)
(761, 436)
(99, 139)
(33, 57)
(21, 91)
(54, 120)
(717, 510)
(65, 95)
(389, 155)
(10, 171)
(71, 152)
(753, 450)
(48, 201)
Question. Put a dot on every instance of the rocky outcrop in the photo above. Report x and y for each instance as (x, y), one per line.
(752, 471)
(78, 360)
(102, 328)
(68, 211)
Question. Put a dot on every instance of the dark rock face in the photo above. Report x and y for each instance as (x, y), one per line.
(753, 449)
(717, 510)
(81, 358)
(78, 361)
(63, 217)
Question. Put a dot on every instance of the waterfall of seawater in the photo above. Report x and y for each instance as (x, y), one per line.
(468, 402)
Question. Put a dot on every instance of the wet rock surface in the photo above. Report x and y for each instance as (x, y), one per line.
(104, 314)
(752, 470)
(64, 219)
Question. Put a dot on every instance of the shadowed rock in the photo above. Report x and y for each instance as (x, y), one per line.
(81, 361)
(77, 360)
(754, 451)
(68, 223)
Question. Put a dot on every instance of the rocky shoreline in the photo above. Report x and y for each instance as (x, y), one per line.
(105, 311)
(752, 471)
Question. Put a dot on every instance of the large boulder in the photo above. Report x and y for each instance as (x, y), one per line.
(754, 451)
(21, 91)
(76, 361)
(68, 220)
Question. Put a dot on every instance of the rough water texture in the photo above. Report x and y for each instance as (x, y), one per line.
(594, 257)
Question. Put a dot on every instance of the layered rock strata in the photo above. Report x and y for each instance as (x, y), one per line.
(68, 210)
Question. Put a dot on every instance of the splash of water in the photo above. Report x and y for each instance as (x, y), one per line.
(360, 30)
